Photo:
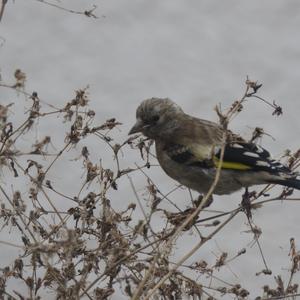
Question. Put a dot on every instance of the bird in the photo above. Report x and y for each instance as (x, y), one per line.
(189, 150)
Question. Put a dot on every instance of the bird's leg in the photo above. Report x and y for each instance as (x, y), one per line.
(200, 198)
(246, 204)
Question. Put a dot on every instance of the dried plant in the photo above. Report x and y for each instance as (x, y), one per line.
(79, 246)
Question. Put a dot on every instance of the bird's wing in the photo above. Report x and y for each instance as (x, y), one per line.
(248, 156)
(198, 143)
(237, 156)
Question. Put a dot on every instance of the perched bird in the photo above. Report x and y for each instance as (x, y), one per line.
(188, 149)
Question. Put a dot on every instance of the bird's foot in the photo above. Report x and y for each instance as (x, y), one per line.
(246, 203)
(200, 199)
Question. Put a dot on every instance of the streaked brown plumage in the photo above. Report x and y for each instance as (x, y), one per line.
(188, 149)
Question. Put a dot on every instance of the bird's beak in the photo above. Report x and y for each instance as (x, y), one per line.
(137, 127)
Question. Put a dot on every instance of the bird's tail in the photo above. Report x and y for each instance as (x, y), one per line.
(289, 182)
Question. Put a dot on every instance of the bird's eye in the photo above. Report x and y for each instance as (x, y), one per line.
(154, 119)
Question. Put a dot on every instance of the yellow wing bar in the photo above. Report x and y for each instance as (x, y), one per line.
(231, 165)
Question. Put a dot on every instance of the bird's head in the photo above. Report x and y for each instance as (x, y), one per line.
(156, 117)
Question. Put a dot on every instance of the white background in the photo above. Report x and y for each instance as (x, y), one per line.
(197, 53)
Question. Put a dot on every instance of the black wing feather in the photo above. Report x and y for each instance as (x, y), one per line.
(183, 155)
(253, 156)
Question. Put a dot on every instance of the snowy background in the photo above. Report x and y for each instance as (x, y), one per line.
(197, 53)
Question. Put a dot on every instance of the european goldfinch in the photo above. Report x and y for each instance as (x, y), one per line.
(188, 149)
